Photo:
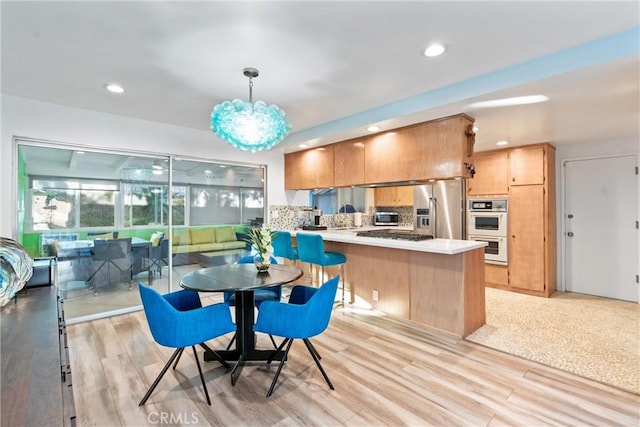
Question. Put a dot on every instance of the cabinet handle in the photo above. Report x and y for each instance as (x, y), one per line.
(513, 180)
(513, 236)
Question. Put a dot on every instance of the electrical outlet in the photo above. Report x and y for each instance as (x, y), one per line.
(275, 214)
(375, 295)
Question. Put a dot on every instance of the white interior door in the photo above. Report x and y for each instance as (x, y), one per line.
(601, 239)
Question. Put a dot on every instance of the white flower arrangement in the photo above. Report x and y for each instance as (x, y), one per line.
(261, 241)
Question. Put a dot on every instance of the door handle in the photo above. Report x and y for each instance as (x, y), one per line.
(570, 234)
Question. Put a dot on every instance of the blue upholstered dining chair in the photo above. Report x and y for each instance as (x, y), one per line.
(305, 316)
(311, 250)
(282, 246)
(178, 320)
(271, 293)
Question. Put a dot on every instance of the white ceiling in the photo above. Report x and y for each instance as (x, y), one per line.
(336, 67)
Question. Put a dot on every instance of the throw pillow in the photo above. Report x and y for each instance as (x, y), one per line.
(225, 234)
(156, 237)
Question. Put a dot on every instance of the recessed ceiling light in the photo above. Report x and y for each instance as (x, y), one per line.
(79, 152)
(505, 102)
(502, 142)
(373, 128)
(115, 88)
(208, 171)
(302, 145)
(434, 49)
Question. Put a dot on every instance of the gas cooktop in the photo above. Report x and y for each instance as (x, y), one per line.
(395, 234)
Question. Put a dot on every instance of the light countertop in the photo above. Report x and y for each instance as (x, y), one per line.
(438, 246)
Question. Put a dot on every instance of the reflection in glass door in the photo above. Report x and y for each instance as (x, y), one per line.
(103, 216)
(106, 217)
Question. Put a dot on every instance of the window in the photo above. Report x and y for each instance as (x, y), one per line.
(72, 203)
(62, 188)
(145, 204)
(214, 205)
(252, 205)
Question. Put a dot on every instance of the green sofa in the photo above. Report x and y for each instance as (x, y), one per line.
(187, 240)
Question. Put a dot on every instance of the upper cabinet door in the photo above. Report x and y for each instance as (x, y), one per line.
(384, 154)
(306, 170)
(348, 158)
(527, 166)
(441, 149)
(404, 195)
(394, 196)
(492, 174)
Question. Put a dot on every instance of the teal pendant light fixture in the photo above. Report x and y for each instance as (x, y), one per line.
(249, 126)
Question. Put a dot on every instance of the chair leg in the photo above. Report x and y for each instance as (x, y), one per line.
(280, 347)
(178, 358)
(314, 350)
(216, 355)
(206, 392)
(232, 340)
(343, 283)
(315, 359)
(159, 377)
(273, 341)
(275, 378)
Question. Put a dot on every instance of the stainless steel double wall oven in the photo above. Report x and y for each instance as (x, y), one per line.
(487, 222)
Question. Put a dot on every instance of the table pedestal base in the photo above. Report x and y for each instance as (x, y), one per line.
(240, 359)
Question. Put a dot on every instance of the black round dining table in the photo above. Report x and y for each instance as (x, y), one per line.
(242, 279)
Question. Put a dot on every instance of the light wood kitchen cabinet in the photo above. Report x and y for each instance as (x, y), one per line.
(527, 165)
(449, 149)
(394, 196)
(348, 163)
(492, 174)
(389, 156)
(309, 169)
(526, 237)
(532, 223)
(496, 276)
(437, 149)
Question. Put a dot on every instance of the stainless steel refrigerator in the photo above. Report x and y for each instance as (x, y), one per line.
(439, 209)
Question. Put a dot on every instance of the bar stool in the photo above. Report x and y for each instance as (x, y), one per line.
(282, 246)
(311, 250)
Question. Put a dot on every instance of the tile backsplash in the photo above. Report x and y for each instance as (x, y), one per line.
(284, 217)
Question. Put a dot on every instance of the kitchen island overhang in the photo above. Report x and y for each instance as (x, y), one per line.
(438, 283)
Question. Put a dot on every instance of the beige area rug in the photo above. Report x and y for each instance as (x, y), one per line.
(596, 338)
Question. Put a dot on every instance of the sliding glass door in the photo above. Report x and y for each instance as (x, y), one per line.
(113, 219)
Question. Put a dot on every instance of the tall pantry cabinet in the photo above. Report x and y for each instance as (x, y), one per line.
(532, 220)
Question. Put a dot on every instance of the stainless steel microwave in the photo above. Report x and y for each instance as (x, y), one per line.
(386, 218)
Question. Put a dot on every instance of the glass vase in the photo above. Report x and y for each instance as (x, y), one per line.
(261, 265)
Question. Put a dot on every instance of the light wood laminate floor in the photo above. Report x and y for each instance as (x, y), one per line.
(385, 371)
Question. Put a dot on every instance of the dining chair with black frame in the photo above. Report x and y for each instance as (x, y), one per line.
(159, 256)
(111, 254)
(178, 320)
(306, 316)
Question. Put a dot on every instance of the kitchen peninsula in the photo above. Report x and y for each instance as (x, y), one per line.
(438, 283)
